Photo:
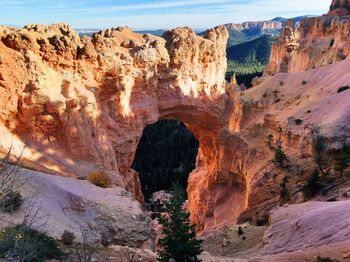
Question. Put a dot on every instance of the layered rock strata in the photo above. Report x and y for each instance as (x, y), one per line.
(316, 42)
(80, 105)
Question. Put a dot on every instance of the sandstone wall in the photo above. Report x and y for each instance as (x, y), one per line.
(314, 43)
(80, 105)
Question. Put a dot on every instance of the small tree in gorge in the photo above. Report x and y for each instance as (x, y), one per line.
(342, 161)
(280, 156)
(179, 240)
(319, 146)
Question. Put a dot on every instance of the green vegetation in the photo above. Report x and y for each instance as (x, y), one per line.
(313, 185)
(99, 179)
(326, 259)
(248, 60)
(11, 201)
(298, 122)
(68, 238)
(179, 242)
(165, 155)
(342, 160)
(319, 147)
(26, 244)
(240, 231)
(284, 194)
(237, 37)
(280, 157)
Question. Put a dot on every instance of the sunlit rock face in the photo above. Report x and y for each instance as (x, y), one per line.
(314, 43)
(80, 105)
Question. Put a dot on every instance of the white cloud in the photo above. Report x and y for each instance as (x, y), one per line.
(155, 15)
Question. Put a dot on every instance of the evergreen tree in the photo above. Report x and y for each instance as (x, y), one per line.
(284, 191)
(179, 240)
(342, 161)
(280, 156)
(319, 146)
(313, 184)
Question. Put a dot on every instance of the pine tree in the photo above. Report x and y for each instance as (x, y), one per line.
(342, 161)
(280, 156)
(284, 191)
(313, 184)
(319, 146)
(179, 242)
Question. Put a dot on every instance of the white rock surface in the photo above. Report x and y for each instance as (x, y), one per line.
(82, 208)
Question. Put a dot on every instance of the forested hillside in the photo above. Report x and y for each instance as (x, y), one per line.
(249, 59)
(165, 155)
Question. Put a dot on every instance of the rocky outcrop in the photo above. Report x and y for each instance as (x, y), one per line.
(54, 204)
(314, 43)
(339, 8)
(80, 105)
(261, 25)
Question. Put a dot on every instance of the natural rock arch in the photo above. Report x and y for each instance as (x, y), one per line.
(80, 105)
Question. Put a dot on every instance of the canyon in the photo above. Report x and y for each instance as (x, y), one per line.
(71, 106)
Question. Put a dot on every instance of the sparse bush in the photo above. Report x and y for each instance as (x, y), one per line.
(26, 244)
(304, 82)
(281, 83)
(319, 147)
(276, 96)
(280, 157)
(342, 160)
(85, 252)
(99, 179)
(343, 88)
(11, 201)
(326, 259)
(298, 122)
(240, 231)
(68, 238)
(262, 220)
(313, 185)
(269, 141)
(284, 194)
(265, 94)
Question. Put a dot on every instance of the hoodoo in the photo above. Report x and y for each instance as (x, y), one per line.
(314, 43)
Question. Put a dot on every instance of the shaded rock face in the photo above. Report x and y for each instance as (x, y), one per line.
(340, 7)
(54, 204)
(80, 105)
(314, 43)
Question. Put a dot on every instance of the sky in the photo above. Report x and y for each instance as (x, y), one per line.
(152, 14)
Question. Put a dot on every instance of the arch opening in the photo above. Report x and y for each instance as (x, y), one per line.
(166, 155)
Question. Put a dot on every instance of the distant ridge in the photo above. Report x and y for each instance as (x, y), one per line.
(248, 31)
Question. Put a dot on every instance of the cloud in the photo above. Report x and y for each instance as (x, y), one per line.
(154, 14)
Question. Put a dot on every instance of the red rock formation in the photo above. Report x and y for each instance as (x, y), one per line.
(339, 8)
(314, 43)
(80, 105)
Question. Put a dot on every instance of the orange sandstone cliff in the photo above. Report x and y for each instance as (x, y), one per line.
(314, 43)
(79, 105)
